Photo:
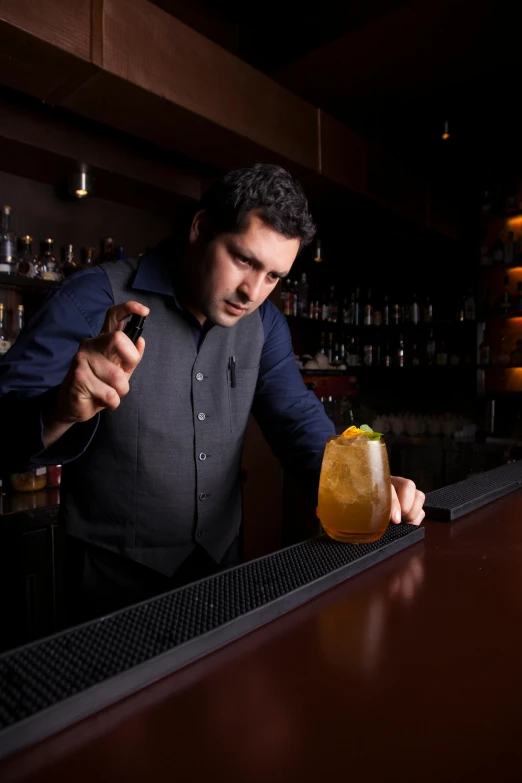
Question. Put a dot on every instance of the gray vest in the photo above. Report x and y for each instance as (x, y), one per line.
(162, 471)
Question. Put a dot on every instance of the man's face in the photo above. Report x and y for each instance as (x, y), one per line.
(235, 272)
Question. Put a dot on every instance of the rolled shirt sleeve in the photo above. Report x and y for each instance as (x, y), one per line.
(292, 419)
(34, 367)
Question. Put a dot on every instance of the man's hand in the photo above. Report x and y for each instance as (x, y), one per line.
(99, 374)
(407, 502)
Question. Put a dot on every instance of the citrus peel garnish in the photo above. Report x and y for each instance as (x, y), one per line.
(354, 432)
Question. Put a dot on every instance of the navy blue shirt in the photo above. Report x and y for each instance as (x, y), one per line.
(292, 419)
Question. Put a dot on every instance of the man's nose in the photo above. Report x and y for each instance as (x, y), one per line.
(251, 286)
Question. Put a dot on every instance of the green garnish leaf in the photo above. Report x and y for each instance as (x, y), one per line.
(365, 428)
(374, 435)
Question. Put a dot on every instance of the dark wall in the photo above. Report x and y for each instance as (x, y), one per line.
(38, 210)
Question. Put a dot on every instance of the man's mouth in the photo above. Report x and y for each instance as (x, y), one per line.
(234, 308)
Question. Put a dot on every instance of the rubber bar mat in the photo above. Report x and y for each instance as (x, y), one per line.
(47, 685)
(457, 499)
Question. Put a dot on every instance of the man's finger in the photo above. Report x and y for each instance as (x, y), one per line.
(116, 347)
(395, 513)
(411, 500)
(117, 314)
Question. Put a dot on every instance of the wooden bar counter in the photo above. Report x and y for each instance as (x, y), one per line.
(410, 671)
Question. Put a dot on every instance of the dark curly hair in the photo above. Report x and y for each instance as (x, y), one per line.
(267, 188)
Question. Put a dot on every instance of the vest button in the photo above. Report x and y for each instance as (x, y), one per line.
(200, 533)
(202, 456)
(201, 416)
(202, 496)
(199, 376)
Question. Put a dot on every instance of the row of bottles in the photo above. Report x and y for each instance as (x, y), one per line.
(8, 336)
(505, 251)
(510, 303)
(367, 309)
(18, 258)
(352, 351)
(500, 354)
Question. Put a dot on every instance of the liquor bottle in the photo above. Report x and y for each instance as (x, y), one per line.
(109, 254)
(518, 301)
(90, 260)
(302, 297)
(486, 258)
(7, 243)
(509, 250)
(430, 350)
(283, 297)
(399, 353)
(415, 358)
(322, 343)
(502, 357)
(396, 314)
(516, 355)
(317, 310)
(121, 253)
(295, 291)
(333, 306)
(325, 310)
(368, 353)
(330, 347)
(505, 304)
(427, 311)
(346, 312)
(353, 358)
(368, 309)
(318, 256)
(357, 307)
(442, 355)
(377, 315)
(19, 323)
(415, 310)
(5, 342)
(69, 265)
(511, 204)
(386, 311)
(470, 307)
(485, 352)
(454, 357)
(26, 263)
(48, 263)
(498, 250)
(287, 301)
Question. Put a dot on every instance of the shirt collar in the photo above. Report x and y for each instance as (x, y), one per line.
(154, 272)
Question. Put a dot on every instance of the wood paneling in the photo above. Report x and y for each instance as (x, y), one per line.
(343, 154)
(63, 23)
(67, 137)
(153, 50)
(36, 65)
(155, 78)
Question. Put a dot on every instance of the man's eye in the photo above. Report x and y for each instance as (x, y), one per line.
(243, 260)
(274, 278)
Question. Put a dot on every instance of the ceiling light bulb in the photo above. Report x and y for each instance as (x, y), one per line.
(80, 183)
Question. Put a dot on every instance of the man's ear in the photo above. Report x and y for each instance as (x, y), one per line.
(200, 230)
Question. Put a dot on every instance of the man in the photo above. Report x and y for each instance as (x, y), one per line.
(151, 438)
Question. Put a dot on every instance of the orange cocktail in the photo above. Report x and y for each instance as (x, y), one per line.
(355, 488)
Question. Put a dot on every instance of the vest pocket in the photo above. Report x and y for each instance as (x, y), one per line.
(241, 395)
